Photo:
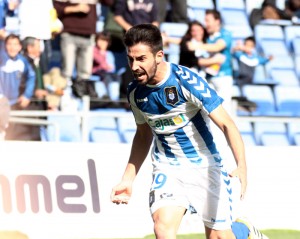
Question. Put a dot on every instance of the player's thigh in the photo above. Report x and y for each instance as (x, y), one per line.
(168, 217)
(218, 234)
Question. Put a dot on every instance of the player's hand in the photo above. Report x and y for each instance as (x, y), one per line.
(242, 175)
(121, 193)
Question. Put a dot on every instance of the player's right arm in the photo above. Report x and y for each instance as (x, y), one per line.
(140, 147)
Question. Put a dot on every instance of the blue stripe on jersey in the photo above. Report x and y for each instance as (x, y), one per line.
(203, 130)
(165, 146)
(185, 144)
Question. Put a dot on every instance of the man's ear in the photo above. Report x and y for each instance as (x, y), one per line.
(159, 56)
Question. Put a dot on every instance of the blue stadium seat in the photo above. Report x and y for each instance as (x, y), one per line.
(294, 132)
(173, 29)
(287, 100)
(235, 18)
(270, 40)
(127, 128)
(281, 62)
(286, 77)
(230, 4)
(262, 95)
(104, 129)
(271, 134)
(247, 132)
(196, 9)
(296, 45)
(260, 75)
(297, 140)
(69, 128)
(291, 32)
(297, 65)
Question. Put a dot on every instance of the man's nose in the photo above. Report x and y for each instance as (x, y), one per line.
(134, 66)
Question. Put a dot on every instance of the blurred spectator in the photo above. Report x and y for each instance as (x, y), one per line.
(200, 60)
(195, 33)
(55, 84)
(292, 9)
(4, 115)
(268, 11)
(17, 82)
(35, 21)
(218, 41)
(177, 11)
(77, 39)
(32, 52)
(104, 66)
(128, 13)
(6, 9)
(248, 59)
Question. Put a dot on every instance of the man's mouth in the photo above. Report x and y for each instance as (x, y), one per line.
(138, 74)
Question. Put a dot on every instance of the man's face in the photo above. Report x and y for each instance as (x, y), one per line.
(212, 25)
(13, 47)
(143, 63)
(34, 51)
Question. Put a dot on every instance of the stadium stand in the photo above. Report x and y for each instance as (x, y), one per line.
(287, 100)
(247, 132)
(271, 134)
(262, 95)
(270, 40)
(293, 129)
(276, 88)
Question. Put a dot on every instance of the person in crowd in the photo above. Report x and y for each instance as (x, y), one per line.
(34, 21)
(32, 52)
(17, 84)
(104, 66)
(200, 60)
(292, 9)
(77, 41)
(248, 60)
(4, 115)
(174, 106)
(177, 11)
(219, 41)
(268, 11)
(6, 9)
(130, 13)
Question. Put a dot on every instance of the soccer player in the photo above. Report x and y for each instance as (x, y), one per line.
(174, 106)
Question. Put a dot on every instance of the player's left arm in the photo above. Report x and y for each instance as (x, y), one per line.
(221, 118)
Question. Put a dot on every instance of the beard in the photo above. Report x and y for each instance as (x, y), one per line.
(149, 75)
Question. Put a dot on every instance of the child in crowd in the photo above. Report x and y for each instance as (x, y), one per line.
(17, 84)
(104, 67)
(17, 78)
(248, 59)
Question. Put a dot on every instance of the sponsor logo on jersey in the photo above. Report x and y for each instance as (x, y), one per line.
(171, 95)
(162, 123)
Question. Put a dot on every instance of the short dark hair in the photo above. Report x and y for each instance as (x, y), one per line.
(12, 36)
(105, 35)
(250, 38)
(215, 13)
(144, 33)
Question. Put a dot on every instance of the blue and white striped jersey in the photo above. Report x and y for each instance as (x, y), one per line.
(177, 111)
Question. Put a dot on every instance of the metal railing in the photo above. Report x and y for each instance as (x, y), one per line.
(85, 114)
